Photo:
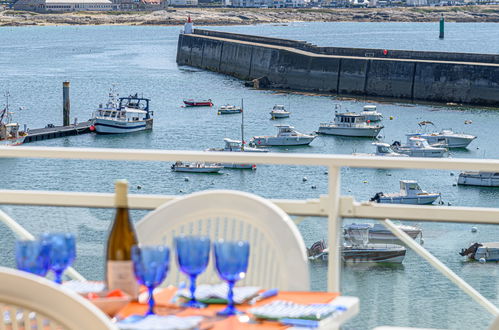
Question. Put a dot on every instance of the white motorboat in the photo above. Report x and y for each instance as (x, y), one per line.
(418, 147)
(446, 138)
(482, 252)
(10, 135)
(286, 136)
(229, 109)
(371, 114)
(350, 124)
(382, 150)
(237, 146)
(379, 233)
(128, 114)
(196, 167)
(279, 111)
(486, 179)
(410, 193)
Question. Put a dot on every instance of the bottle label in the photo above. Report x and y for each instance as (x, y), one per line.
(120, 275)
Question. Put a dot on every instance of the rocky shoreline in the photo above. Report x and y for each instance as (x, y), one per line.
(246, 16)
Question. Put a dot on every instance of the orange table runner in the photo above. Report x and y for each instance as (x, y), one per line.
(212, 321)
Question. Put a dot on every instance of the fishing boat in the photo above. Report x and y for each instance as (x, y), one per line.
(123, 115)
(286, 136)
(196, 167)
(485, 179)
(418, 147)
(350, 124)
(371, 114)
(446, 138)
(379, 233)
(382, 150)
(10, 135)
(279, 111)
(482, 252)
(410, 193)
(198, 103)
(229, 109)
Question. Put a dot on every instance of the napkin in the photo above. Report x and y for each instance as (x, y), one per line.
(217, 294)
(153, 322)
(280, 309)
(84, 286)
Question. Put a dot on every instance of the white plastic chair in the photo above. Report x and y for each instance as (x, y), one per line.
(278, 257)
(30, 299)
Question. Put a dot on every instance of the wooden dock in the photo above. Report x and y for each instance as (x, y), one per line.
(52, 132)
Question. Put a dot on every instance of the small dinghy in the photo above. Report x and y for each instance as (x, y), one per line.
(482, 252)
(229, 109)
(198, 103)
(196, 167)
(410, 193)
(279, 111)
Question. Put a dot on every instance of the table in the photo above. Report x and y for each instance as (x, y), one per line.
(214, 322)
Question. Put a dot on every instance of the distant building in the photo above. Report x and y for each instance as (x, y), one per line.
(183, 3)
(63, 5)
(417, 2)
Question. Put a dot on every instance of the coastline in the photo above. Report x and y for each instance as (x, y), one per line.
(249, 16)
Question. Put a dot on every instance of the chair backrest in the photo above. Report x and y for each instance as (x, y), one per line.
(278, 257)
(30, 299)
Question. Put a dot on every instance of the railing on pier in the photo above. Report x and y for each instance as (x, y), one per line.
(333, 205)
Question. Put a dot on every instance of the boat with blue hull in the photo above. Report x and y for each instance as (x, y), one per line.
(123, 115)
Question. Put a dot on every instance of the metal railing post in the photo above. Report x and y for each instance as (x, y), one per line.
(334, 229)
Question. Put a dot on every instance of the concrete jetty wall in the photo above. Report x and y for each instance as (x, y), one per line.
(298, 65)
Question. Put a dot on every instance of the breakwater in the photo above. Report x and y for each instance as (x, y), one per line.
(298, 65)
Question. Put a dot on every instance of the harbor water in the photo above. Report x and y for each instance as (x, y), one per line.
(35, 60)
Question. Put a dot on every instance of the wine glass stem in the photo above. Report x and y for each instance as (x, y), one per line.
(150, 311)
(230, 296)
(193, 287)
(58, 276)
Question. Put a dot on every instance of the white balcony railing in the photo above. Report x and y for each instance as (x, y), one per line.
(333, 205)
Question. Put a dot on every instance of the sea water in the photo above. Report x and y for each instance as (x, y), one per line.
(34, 62)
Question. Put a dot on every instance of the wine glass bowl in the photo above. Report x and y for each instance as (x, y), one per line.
(33, 256)
(193, 255)
(231, 262)
(62, 252)
(150, 264)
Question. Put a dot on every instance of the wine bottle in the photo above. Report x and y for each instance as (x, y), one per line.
(119, 266)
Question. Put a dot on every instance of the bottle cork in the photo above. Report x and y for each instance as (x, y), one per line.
(121, 193)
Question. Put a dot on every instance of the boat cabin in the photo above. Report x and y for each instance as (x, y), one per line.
(286, 130)
(9, 131)
(417, 142)
(409, 188)
(370, 108)
(383, 148)
(349, 118)
(279, 107)
(122, 115)
(135, 102)
(232, 144)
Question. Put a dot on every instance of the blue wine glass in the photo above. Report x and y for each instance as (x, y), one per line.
(193, 254)
(150, 264)
(231, 262)
(33, 256)
(62, 252)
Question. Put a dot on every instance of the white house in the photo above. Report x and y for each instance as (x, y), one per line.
(183, 2)
(64, 5)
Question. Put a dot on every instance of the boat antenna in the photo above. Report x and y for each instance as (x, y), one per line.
(242, 125)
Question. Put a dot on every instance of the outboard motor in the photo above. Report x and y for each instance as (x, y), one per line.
(396, 144)
(470, 252)
(172, 167)
(376, 197)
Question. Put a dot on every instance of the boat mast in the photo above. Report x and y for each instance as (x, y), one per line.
(242, 125)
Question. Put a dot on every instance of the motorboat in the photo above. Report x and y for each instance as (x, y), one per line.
(229, 109)
(123, 115)
(379, 233)
(237, 146)
(410, 193)
(10, 134)
(279, 111)
(371, 114)
(350, 124)
(482, 252)
(382, 150)
(196, 167)
(286, 136)
(357, 249)
(447, 138)
(486, 179)
(198, 103)
(418, 147)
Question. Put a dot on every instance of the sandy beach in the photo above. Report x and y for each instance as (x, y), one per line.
(244, 16)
